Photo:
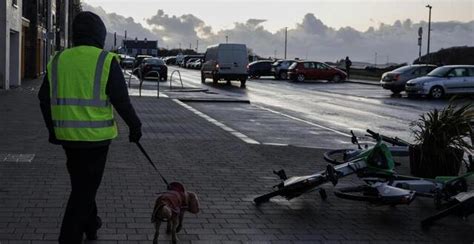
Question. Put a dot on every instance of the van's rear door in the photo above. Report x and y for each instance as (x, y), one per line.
(233, 59)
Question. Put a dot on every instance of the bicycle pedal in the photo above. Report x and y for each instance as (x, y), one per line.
(281, 173)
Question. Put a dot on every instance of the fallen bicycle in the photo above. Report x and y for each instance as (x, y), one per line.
(382, 185)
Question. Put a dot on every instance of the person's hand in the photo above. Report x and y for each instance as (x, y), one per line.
(135, 135)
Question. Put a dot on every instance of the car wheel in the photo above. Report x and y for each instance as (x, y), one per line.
(283, 75)
(242, 83)
(336, 78)
(436, 92)
(396, 91)
(203, 79)
(300, 77)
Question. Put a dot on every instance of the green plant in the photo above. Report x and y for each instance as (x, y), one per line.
(441, 138)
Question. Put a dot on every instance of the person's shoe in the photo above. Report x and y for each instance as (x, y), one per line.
(91, 234)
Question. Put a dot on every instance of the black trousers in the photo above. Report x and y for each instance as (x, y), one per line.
(85, 167)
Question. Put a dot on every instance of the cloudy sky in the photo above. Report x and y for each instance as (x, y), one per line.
(324, 30)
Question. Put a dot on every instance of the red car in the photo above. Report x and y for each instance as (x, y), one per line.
(310, 70)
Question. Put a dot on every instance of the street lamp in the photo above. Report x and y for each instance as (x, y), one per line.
(286, 39)
(429, 28)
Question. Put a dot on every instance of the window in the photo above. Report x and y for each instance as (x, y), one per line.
(309, 65)
(321, 66)
(458, 72)
(471, 72)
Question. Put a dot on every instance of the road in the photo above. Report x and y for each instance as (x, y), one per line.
(309, 114)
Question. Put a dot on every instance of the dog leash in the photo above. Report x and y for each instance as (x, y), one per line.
(153, 164)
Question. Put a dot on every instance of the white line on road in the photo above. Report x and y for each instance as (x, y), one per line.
(217, 123)
(304, 121)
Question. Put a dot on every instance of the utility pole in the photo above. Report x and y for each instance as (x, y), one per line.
(420, 36)
(226, 39)
(190, 47)
(275, 54)
(197, 45)
(429, 29)
(286, 39)
(115, 39)
(375, 60)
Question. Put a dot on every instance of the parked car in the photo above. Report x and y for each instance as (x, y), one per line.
(225, 61)
(185, 59)
(153, 64)
(196, 64)
(127, 62)
(138, 62)
(280, 68)
(260, 68)
(190, 62)
(396, 79)
(310, 70)
(170, 60)
(449, 79)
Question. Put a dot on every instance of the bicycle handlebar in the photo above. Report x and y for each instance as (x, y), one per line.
(394, 141)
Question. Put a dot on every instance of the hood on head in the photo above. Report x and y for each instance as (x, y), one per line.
(89, 30)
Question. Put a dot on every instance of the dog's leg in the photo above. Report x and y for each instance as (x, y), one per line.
(157, 231)
(174, 237)
(180, 221)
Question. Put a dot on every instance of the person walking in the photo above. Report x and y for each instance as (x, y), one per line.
(80, 87)
(348, 64)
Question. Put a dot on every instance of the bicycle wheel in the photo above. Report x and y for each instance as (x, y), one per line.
(340, 156)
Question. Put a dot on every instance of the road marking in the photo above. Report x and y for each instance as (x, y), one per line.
(304, 121)
(217, 123)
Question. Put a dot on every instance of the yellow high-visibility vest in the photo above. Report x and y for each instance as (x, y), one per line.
(80, 109)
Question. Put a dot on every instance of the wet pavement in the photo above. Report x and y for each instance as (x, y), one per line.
(196, 143)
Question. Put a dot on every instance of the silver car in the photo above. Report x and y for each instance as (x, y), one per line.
(396, 79)
(449, 79)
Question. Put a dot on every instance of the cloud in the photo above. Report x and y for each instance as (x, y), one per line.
(310, 38)
(120, 24)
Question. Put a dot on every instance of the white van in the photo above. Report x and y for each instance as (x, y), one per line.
(225, 61)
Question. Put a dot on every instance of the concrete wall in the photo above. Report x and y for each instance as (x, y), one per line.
(10, 44)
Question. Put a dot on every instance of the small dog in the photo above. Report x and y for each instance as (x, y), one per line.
(170, 207)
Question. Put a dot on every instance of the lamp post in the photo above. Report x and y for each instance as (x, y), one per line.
(226, 39)
(429, 28)
(286, 39)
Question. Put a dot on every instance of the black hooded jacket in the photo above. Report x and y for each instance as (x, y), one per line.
(89, 30)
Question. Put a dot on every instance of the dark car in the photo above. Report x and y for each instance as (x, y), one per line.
(310, 70)
(395, 80)
(280, 68)
(260, 68)
(138, 61)
(170, 60)
(151, 66)
(127, 62)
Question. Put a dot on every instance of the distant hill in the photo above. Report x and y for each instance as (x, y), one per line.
(452, 55)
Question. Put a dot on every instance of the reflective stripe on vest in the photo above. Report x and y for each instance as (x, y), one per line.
(83, 124)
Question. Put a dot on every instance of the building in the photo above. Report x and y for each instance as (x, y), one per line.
(139, 47)
(10, 43)
(31, 31)
(35, 38)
